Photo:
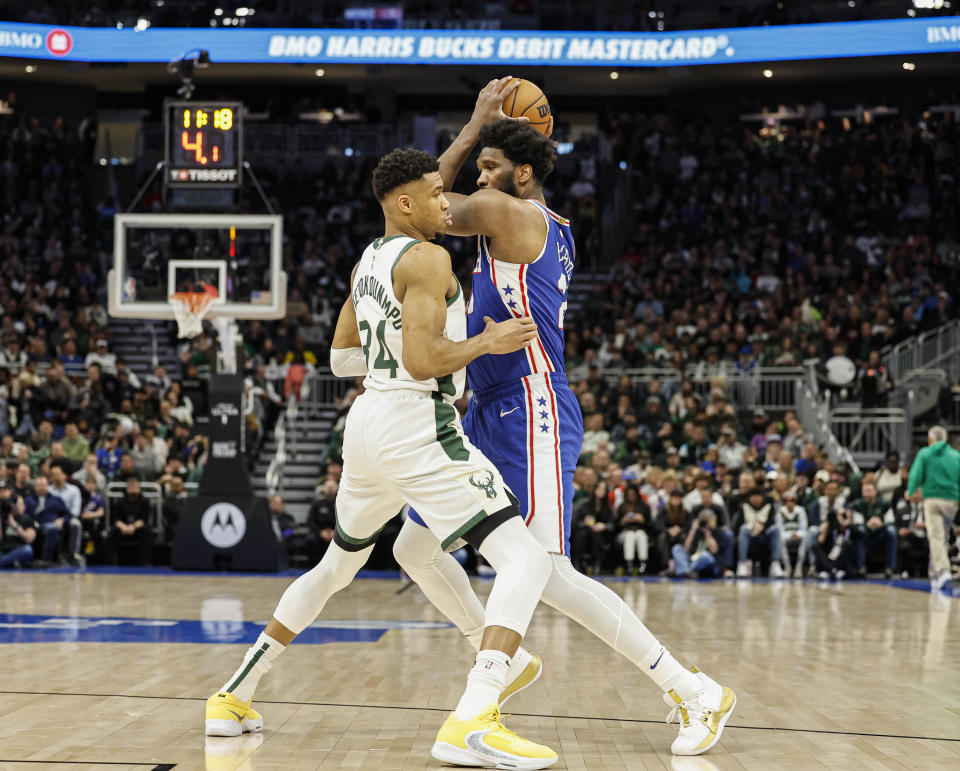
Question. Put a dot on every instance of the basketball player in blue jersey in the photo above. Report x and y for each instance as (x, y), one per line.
(524, 417)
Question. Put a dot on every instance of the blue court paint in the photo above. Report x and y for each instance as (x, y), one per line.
(119, 570)
(28, 628)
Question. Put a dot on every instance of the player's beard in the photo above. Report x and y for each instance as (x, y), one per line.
(509, 187)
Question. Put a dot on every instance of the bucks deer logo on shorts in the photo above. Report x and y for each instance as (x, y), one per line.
(486, 485)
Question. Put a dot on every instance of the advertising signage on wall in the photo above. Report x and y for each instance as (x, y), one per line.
(621, 49)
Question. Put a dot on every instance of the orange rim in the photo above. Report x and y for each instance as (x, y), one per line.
(196, 302)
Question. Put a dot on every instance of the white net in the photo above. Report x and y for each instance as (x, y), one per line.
(190, 308)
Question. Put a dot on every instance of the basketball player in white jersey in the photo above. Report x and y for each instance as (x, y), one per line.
(405, 326)
(525, 262)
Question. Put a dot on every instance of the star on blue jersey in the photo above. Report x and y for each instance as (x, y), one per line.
(508, 290)
(544, 427)
(512, 304)
(543, 415)
(542, 402)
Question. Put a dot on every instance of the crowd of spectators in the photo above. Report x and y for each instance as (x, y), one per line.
(743, 257)
(745, 499)
(73, 417)
(785, 274)
(776, 248)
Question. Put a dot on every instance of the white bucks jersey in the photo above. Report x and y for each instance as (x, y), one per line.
(379, 322)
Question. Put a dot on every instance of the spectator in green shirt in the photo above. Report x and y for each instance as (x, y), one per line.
(75, 447)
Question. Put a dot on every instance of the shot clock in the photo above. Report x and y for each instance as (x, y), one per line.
(204, 143)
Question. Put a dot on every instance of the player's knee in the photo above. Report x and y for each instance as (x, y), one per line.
(414, 548)
(540, 566)
(510, 546)
(337, 568)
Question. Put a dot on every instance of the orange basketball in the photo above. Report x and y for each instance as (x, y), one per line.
(528, 101)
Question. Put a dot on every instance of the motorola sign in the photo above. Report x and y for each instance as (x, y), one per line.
(223, 525)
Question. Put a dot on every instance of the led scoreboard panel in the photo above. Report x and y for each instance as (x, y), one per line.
(204, 144)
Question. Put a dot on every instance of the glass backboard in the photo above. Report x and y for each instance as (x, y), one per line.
(156, 255)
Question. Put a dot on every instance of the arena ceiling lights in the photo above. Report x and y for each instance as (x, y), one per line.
(505, 47)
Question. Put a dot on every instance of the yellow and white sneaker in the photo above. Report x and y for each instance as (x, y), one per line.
(228, 716)
(526, 677)
(484, 742)
(701, 718)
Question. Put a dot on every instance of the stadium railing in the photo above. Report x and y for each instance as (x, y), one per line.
(324, 389)
(776, 389)
(936, 349)
(813, 414)
(284, 433)
(869, 434)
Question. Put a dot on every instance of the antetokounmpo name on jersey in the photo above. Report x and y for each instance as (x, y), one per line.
(368, 286)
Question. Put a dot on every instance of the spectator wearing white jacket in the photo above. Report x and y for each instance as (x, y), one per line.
(792, 524)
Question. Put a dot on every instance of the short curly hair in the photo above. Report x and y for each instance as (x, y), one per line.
(400, 167)
(521, 144)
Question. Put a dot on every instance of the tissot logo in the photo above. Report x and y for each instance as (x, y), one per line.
(203, 175)
(223, 525)
(59, 42)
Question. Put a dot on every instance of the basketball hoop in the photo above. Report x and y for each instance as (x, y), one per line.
(190, 309)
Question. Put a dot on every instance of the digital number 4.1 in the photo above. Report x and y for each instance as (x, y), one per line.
(196, 145)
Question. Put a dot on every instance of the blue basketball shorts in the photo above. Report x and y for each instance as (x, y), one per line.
(532, 431)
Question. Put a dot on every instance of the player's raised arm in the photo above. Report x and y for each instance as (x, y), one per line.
(488, 109)
(421, 280)
(495, 214)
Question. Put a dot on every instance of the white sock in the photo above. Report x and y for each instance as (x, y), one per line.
(256, 663)
(667, 673)
(603, 612)
(484, 684)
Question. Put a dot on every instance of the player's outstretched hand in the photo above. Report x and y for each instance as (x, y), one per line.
(510, 335)
(489, 107)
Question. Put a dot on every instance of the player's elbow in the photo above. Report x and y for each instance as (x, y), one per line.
(417, 365)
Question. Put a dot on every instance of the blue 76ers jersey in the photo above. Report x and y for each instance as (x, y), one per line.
(523, 415)
(502, 290)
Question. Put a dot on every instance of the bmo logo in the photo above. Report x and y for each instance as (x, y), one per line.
(59, 42)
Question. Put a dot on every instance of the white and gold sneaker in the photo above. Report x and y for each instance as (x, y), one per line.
(701, 718)
(523, 680)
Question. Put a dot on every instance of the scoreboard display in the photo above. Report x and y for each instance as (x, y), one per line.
(204, 144)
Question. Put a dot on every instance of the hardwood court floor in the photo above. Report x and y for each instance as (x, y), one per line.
(862, 676)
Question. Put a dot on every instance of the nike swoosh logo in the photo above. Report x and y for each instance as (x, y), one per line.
(474, 740)
(503, 413)
(240, 717)
(654, 665)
